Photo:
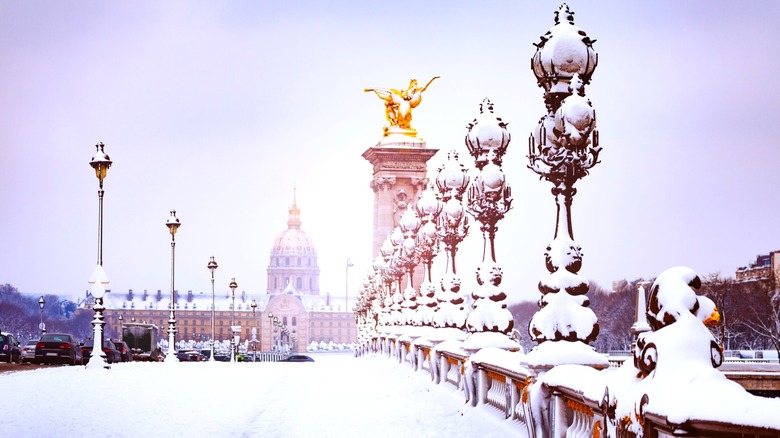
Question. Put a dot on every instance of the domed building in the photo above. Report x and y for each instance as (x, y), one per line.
(294, 259)
(290, 314)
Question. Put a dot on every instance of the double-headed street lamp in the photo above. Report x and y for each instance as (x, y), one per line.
(212, 265)
(233, 285)
(100, 162)
(173, 223)
(41, 326)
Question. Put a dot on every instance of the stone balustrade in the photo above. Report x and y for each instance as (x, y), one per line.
(574, 402)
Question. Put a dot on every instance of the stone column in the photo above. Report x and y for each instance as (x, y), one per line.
(400, 176)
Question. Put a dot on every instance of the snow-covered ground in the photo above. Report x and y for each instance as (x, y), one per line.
(335, 396)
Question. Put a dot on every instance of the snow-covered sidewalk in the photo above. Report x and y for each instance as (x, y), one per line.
(336, 396)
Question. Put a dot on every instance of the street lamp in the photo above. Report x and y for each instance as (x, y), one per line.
(346, 284)
(254, 331)
(233, 285)
(101, 163)
(212, 265)
(173, 223)
(271, 329)
(120, 326)
(41, 326)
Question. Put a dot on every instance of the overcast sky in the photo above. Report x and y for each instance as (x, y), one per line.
(220, 109)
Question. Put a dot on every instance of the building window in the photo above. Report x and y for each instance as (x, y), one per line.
(287, 261)
(299, 261)
(284, 320)
(299, 283)
(294, 321)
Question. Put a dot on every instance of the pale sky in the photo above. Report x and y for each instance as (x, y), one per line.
(220, 109)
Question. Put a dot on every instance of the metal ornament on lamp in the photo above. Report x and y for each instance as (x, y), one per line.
(173, 223)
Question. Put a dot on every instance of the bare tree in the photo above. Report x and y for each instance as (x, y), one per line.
(764, 305)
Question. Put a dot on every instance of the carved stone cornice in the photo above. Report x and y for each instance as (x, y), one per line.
(404, 159)
(382, 183)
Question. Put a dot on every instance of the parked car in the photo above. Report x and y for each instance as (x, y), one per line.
(189, 356)
(58, 348)
(112, 354)
(28, 351)
(125, 355)
(299, 358)
(9, 348)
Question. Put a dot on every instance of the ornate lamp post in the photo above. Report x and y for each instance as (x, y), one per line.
(562, 149)
(173, 223)
(254, 331)
(233, 285)
(271, 330)
(41, 326)
(489, 197)
(212, 265)
(120, 326)
(100, 162)
(452, 181)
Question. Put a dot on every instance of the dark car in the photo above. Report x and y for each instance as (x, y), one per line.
(9, 348)
(299, 358)
(189, 356)
(58, 348)
(125, 355)
(112, 354)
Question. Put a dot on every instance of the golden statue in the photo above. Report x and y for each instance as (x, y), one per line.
(400, 103)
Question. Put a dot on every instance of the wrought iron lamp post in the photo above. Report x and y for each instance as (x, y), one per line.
(100, 162)
(452, 181)
(41, 326)
(562, 149)
(233, 285)
(489, 197)
(120, 326)
(173, 223)
(212, 265)
(254, 331)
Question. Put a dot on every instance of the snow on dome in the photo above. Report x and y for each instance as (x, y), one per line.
(565, 50)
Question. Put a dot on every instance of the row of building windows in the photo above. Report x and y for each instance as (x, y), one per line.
(285, 261)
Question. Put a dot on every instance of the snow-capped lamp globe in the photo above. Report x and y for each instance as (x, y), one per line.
(562, 149)
(173, 223)
(562, 52)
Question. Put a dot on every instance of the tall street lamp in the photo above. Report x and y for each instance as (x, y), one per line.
(346, 284)
(42, 326)
(254, 331)
(233, 285)
(100, 162)
(120, 326)
(212, 265)
(173, 223)
(270, 330)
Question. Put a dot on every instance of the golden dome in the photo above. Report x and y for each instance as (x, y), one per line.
(293, 240)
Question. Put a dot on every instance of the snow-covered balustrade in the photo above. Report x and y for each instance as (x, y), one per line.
(451, 367)
(500, 380)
